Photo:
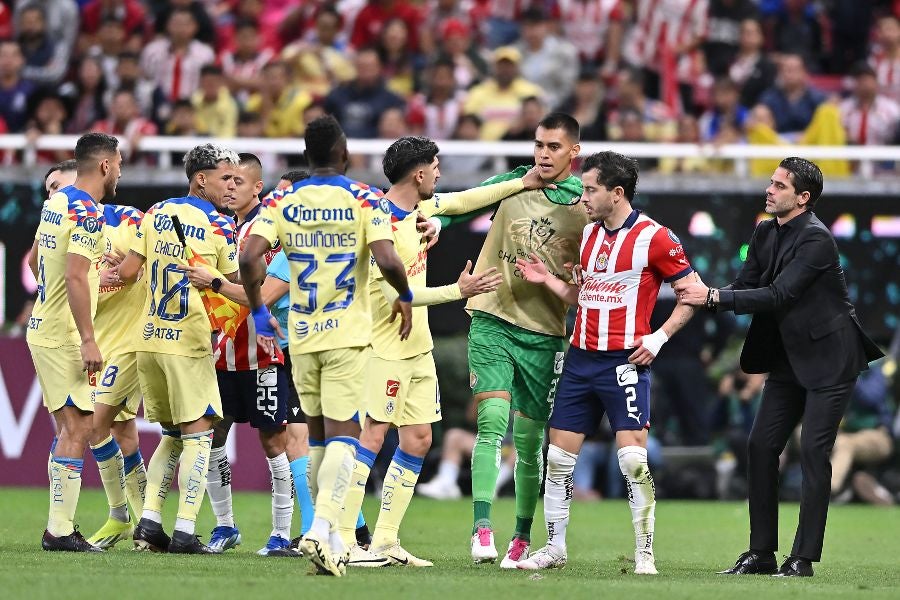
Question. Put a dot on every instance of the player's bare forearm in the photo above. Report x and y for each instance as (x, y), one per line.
(130, 269)
(567, 292)
(273, 289)
(678, 319)
(234, 292)
(78, 294)
(253, 268)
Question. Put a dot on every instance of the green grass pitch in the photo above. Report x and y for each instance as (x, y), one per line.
(693, 540)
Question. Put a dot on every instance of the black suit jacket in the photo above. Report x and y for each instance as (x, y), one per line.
(799, 295)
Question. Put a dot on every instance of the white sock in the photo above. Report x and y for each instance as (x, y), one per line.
(448, 472)
(320, 527)
(218, 486)
(185, 525)
(558, 494)
(641, 494)
(152, 515)
(336, 543)
(282, 496)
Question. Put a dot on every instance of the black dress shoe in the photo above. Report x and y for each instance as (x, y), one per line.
(795, 566)
(74, 542)
(752, 562)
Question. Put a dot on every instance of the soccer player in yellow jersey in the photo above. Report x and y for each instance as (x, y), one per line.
(173, 344)
(61, 330)
(327, 226)
(401, 375)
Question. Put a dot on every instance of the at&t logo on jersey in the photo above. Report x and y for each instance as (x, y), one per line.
(301, 328)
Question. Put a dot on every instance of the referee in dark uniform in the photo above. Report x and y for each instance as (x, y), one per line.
(805, 334)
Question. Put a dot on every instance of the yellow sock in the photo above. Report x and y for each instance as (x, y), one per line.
(355, 494)
(161, 472)
(192, 478)
(316, 454)
(399, 484)
(334, 478)
(135, 482)
(111, 464)
(65, 487)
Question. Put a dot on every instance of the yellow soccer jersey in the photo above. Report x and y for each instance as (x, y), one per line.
(174, 320)
(71, 223)
(325, 225)
(410, 246)
(119, 308)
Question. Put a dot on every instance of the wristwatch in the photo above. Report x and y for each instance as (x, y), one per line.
(216, 284)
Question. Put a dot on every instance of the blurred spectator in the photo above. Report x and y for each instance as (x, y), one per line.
(792, 99)
(205, 30)
(250, 125)
(6, 27)
(313, 112)
(372, 18)
(724, 122)
(586, 105)
(497, 100)
(150, 97)
(751, 69)
(358, 104)
(438, 13)
(174, 61)
(243, 65)
(87, 96)
(435, 112)
(109, 44)
(46, 59)
(864, 437)
(657, 119)
(183, 121)
(131, 14)
(522, 129)
(469, 129)
(665, 41)
(320, 61)
(800, 27)
(869, 118)
(595, 28)
(216, 109)
(61, 18)
(547, 60)
(502, 18)
(279, 102)
(627, 125)
(458, 48)
(688, 133)
(399, 65)
(885, 56)
(392, 125)
(49, 114)
(125, 120)
(851, 26)
(723, 38)
(14, 91)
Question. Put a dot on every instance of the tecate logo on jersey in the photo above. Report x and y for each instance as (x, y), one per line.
(297, 213)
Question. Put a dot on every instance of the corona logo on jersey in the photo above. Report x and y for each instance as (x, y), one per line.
(162, 222)
(297, 213)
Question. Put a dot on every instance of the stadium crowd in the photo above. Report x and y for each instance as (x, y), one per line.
(692, 71)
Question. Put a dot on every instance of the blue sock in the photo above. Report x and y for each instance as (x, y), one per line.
(301, 486)
(360, 520)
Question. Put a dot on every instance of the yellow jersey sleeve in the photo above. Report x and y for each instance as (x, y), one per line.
(458, 203)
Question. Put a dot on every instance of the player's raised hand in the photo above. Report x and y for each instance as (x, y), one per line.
(404, 309)
(533, 270)
(647, 347)
(430, 232)
(577, 273)
(109, 278)
(691, 293)
(200, 277)
(532, 180)
(114, 258)
(91, 359)
(480, 283)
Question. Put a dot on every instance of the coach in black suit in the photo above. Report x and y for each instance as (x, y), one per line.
(805, 334)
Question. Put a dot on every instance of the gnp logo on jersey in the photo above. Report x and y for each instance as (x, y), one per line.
(391, 388)
(301, 329)
(626, 375)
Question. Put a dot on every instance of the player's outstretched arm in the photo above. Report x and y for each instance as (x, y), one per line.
(394, 272)
(78, 294)
(535, 271)
(468, 285)
(648, 346)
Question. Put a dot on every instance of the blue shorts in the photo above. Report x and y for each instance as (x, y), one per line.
(258, 397)
(594, 383)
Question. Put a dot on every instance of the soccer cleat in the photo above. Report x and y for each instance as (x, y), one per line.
(363, 536)
(397, 555)
(319, 552)
(148, 535)
(644, 563)
(517, 551)
(112, 532)
(483, 549)
(439, 490)
(360, 557)
(223, 537)
(74, 542)
(548, 557)
(341, 560)
(188, 543)
(275, 546)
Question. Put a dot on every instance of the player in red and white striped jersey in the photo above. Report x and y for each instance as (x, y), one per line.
(625, 257)
(885, 58)
(595, 28)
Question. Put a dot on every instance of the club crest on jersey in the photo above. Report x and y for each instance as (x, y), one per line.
(389, 407)
(473, 380)
(91, 224)
(672, 236)
(602, 262)
(384, 205)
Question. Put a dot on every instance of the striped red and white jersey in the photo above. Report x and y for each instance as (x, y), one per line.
(623, 271)
(243, 353)
(662, 26)
(871, 125)
(586, 23)
(887, 71)
(513, 9)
